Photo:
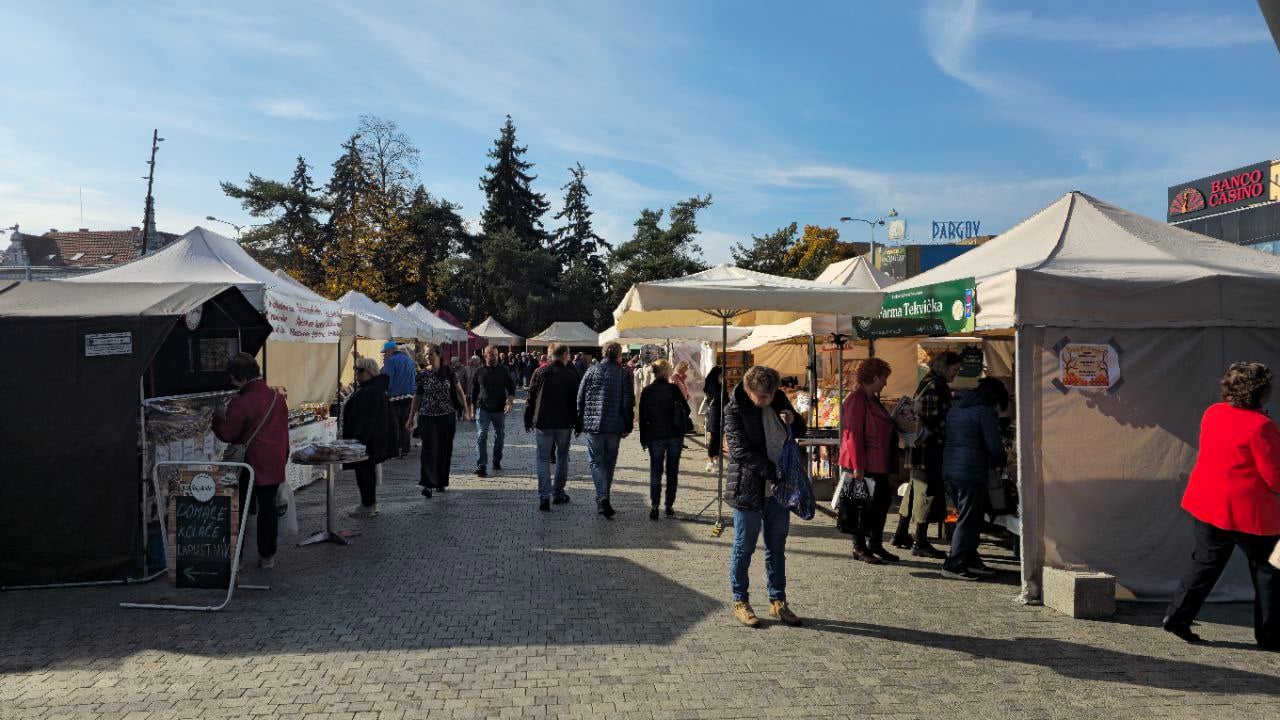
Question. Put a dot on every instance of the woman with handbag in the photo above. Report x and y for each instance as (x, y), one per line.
(256, 425)
(664, 420)
(1233, 495)
(436, 404)
(926, 496)
(369, 417)
(866, 460)
(712, 387)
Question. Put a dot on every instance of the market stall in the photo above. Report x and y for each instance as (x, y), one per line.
(740, 297)
(465, 343)
(1114, 330)
(78, 364)
(574, 334)
(496, 334)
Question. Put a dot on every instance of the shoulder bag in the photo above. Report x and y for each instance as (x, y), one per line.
(236, 452)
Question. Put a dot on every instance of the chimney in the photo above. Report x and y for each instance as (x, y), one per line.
(84, 229)
(53, 230)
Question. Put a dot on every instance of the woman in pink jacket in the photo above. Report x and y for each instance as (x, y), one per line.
(866, 453)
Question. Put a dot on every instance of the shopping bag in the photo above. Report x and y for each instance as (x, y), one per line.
(791, 487)
(1275, 557)
(287, 510)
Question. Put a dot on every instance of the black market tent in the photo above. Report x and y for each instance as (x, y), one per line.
(75, 360)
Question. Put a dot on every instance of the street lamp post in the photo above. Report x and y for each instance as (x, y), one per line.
(872, 224)
(224, 222)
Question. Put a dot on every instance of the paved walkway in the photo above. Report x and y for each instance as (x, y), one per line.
(474, 604)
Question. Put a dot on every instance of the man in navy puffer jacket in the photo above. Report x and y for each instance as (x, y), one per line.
(606, 408)
(973, 448)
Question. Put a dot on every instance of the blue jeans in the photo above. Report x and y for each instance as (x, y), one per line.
(970, 496)
(664, 454)
(484, 419)
(602, 458)
(545, 440)
(776, 523)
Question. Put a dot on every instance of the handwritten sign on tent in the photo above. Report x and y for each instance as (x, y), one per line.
(204, 523)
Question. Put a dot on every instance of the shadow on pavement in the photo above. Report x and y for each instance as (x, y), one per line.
(1075, 660)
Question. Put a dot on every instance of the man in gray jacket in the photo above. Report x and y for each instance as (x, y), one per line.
(606, 412)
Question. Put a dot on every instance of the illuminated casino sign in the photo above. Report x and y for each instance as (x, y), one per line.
(1220, 193)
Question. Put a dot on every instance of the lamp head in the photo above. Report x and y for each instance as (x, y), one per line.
(845, 219)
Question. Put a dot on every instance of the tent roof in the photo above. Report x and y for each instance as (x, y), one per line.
(682, 301)
(85, 299)
(205, 256)
(494, 332)
(1085, 262)
(569, 333)
(659, 335)
(401, 329)
(353, 323)
(855, 273)
(443, 328)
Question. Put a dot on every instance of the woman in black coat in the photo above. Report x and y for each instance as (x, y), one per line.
(664, 417)
(369, 418)
(711, 389)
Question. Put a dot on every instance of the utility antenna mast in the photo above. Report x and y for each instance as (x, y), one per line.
(149, 212)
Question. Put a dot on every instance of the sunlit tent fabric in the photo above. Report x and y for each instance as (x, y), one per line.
(424, 330)
(354, 323)
(1102, 472)
(301, 319)
(446, 331)
(855, 273)
(660, 335)
(574, 334)
(401, 329)
(680, 302)
(70, 488)
(495, 333)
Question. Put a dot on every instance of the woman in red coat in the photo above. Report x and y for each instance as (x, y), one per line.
(1234, 496)
(268, 452)
(866, 453)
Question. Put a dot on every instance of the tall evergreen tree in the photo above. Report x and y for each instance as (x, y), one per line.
(767, 253)
(293, 238)
(433, 231)
(655, 253)
(580, 253)
(508, 189)
(353, 241)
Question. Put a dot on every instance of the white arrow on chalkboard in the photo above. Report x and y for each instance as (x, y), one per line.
(191, 574)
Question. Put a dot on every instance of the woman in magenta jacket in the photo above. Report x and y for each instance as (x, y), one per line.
(866, 452)
(1234, 496)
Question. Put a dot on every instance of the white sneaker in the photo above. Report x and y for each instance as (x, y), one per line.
(711, 466)
(266, 563)
(364, 511)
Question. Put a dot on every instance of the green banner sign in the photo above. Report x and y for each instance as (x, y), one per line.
(930, 311)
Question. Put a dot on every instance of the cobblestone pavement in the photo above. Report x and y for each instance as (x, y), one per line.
(474, 604)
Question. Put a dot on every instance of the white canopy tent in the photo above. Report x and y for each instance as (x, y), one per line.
(732, 294)
(301, 354)
(354, 323)
(663, 335)
(568, 333)
(444, 331)
(1101, 471)
(495, 333)
(401, 329)
(855, 272)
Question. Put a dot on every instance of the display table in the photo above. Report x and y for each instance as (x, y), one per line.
(320, 431)
(330, 533)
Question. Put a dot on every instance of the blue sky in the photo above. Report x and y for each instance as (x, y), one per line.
(947, 110)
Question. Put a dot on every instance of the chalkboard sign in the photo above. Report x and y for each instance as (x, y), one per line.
(203, 526)
(971, 362)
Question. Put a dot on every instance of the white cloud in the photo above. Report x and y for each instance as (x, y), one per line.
(291, 109)
(1162, 31)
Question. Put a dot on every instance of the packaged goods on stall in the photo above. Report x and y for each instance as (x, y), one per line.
(330, 452)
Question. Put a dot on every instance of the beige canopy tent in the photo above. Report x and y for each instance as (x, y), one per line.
(302, 352)
(444, 332)
(856, 272)
(574, 334)
(1101, 471)
(741, 297)
(661, 335)
(495, 333)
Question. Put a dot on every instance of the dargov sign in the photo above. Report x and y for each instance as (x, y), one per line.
(1231, 190)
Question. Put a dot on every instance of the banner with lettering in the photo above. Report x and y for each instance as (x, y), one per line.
(295, 319)
(946, 308)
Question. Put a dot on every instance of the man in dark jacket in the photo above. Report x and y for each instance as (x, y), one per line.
(552, 414)
(492, 392)
(973, 448)
(755, 427)
(606, 411)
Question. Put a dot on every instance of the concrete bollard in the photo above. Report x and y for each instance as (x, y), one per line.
(1080, 593)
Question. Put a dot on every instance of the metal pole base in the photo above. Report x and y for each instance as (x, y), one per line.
(341, 537)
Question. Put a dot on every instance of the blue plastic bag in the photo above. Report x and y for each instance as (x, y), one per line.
(792, 488)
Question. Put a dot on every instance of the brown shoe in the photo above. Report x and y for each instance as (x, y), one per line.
(866, 557)
(779, 610)
(745, 615)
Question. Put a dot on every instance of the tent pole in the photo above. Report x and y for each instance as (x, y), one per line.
(142, 430)
(724, 350)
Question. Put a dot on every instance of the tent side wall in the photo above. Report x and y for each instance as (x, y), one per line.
(69, 484)
(1105, 482)
(309, 371)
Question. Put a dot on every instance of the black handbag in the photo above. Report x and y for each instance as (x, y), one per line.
(684, 423)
